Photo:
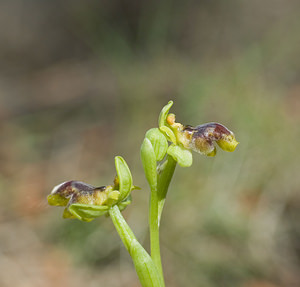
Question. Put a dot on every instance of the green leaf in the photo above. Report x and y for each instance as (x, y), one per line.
(149, 163)
(87, 212)
(181, 155)
(158, 141)
(125, 178)
(164, 113)
(144, 266)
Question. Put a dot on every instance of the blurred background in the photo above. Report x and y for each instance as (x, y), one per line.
(82, 81)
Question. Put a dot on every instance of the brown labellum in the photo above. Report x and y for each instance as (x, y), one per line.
(201, 138)
(76, 192)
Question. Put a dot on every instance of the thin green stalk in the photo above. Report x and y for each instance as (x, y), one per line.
(164, 179)
(154, 232)
(156, 205)
(144, 265)
(123, 229)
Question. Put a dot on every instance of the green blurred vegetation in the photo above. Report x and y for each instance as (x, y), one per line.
(82, 82)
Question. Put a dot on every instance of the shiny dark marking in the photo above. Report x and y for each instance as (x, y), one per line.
(218, 131)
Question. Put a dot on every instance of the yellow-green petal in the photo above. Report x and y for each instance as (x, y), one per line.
(57, 200)
(228, 144)
(183, 156)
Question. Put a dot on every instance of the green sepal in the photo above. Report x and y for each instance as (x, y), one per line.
(124, 176)
(181, 155)
(68, 214)
(169, 134)
(122, 205)
(87, 212)
(162, 120)
(144, 266)
(159, 143)
(149, 163)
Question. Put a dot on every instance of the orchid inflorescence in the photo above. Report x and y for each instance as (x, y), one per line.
(163, 147)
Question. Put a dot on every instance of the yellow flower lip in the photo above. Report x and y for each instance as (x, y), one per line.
(228, 144)
(57, 200)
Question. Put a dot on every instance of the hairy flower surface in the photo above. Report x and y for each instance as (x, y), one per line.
(201, 138)
(72, 191)
(86, 202)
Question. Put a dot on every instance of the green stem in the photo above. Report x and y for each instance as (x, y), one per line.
(144, 265)
(123, 229)
(154, 232)
(164, 179)
(156, 205)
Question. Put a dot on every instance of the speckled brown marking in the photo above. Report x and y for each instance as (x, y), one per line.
(220, 129)
(74, 198)
(72, 187)
(201, 137)
(100, 188)
(211, 131)
(188, 132)
(77, 191)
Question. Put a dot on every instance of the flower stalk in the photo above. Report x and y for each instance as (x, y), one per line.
(161, 150)
(144, 266)
(165, 174)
